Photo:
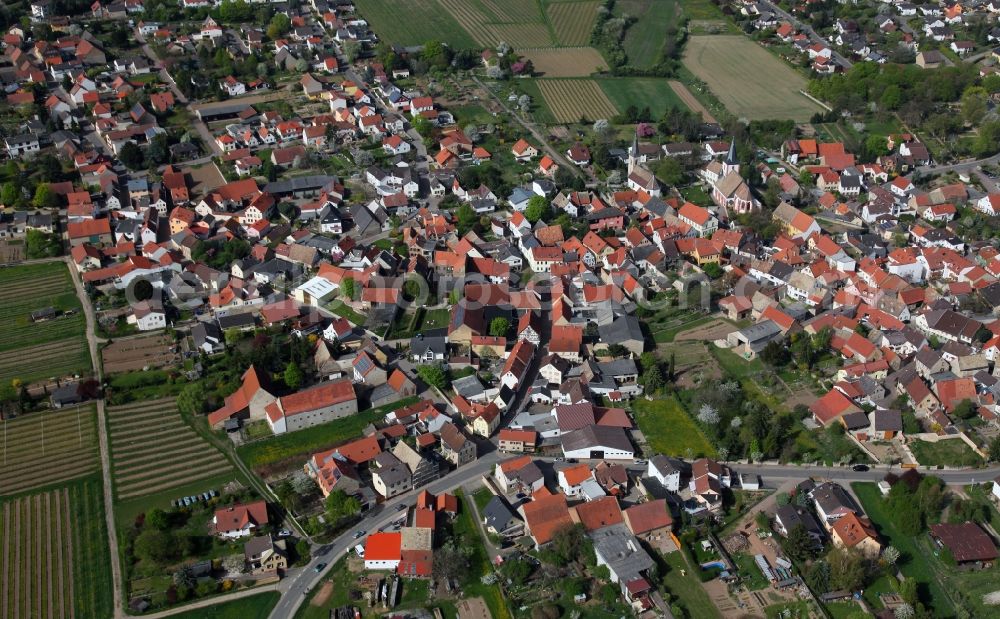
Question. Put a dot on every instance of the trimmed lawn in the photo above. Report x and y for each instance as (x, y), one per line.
(952, 452)
(668, 428)
(294, 445)
(687, 589)
(915, 562)
(338, 308)
(252, 607)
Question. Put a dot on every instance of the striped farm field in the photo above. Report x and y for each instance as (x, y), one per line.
(519, 35)
(153, 449)
(46, 448)
(414, 22)
(565, 61)
(573, 21)
(573, 99)
(55, 561)
(53, 348)
(513, 11)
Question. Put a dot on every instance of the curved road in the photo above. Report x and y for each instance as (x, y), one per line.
(295, 588)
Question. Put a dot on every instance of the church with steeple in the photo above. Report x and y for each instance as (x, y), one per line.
(639, 177)
(729, 190)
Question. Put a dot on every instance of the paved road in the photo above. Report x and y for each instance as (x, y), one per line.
(109, 514)
(961, 166)
(295, 588)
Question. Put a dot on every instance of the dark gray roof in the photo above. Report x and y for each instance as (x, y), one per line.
(498, 516)
(887, 420)
(621, 329)
(594, 436)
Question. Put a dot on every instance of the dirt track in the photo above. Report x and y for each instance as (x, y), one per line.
(689, 100)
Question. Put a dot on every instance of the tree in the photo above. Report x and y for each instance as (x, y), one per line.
(465, 218)
(183, 578)
(142, 290)
(451, 561)
(278, 26)
(158, 519)
(155, 546)
(995, 449)
(131, 156)
(38, 244)
(713, 270)
(516, 570)
(538, 209)
(45, 197)
(193, 398)
(890, 555)
(10, 193)
(670, 171)
(302, 551)
(974, 105)
(499, 327)
(347, 287)
(652, 379)
(433, 375)
(847, 569)
(293, 376)
(965, 409)
(799, 545)
(708, 415)
(339, 505)
(352, 49)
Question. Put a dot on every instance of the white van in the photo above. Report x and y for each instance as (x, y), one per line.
(360, 551)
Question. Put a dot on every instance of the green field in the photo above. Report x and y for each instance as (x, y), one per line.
(252, 607)
(32, 351)
(732, 66)
(294, 446)
(668, 428)
(644, 38)
(953, 452)
(915, 562)
(413, 22)
(55, 560)
(642, 92)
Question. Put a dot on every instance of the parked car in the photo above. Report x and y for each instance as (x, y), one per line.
(284, 533)
(401, 507)
(861, 468)
(319, 567)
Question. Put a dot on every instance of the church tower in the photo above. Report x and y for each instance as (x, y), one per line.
(731, 164)
(633, 153)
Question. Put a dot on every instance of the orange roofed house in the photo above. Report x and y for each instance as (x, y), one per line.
(544, 515)
(240, 520)
(247, 402)
(309, 407)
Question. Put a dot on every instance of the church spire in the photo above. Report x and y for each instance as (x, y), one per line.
(731, 155)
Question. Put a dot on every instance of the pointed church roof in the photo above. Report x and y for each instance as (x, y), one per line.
(731, 155)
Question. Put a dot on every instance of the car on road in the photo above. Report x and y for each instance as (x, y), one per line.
(319, 567)
(360, 534)
(860, 468)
